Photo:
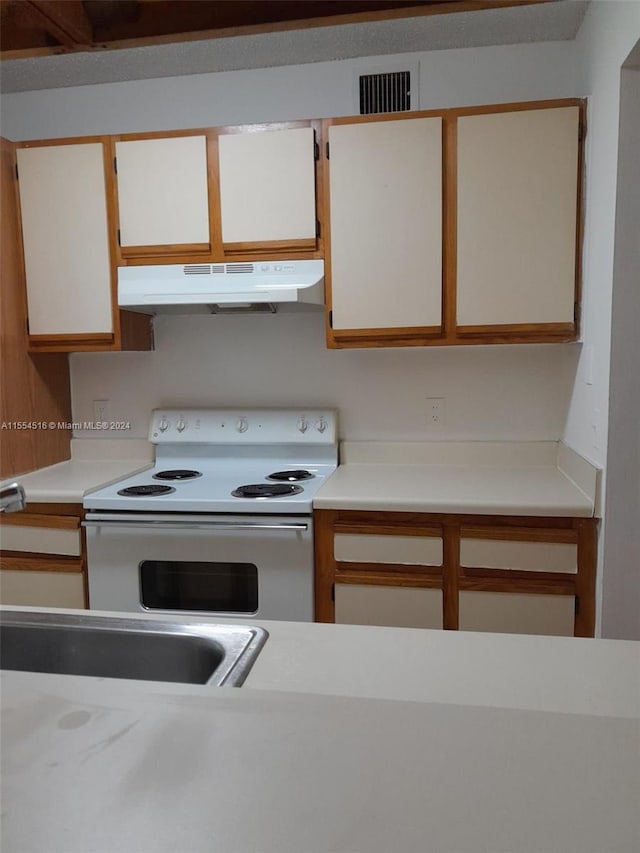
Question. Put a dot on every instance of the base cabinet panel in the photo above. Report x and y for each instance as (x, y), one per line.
(42, 589)
(389, 606)
(514, 613)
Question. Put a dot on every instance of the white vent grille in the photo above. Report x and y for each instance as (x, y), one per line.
(239, 268)
(385, 93)
(217, 269)
(197, 269)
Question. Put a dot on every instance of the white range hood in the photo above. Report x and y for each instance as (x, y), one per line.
(221, 288)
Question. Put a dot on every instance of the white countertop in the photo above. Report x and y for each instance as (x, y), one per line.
(464, 742)
(93, 464)
(469, 478)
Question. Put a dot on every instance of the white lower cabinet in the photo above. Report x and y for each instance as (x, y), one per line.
(516, 613)
(42, 589)
(390, 606)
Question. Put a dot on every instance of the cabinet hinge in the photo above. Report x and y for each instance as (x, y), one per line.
(333, 592)
(17, 173)
(119, 243)
(317, 227)
(27, 323)
(115, 165)
(576, 311)
(582, 131)
(327, 150)
(331, 319)
(576, 605)
(316, 147)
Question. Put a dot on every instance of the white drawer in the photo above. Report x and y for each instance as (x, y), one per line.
(516, 613)
(40, 540)
(527, 556)
(407, 550)
(393, 606)
(42, 589)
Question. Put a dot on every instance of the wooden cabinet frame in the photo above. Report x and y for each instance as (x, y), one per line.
(451, 577)
(56, 516)
(131, 331)
(216, 250)
(450, 333)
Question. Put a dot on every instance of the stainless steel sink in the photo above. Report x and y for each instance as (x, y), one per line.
(84, 644)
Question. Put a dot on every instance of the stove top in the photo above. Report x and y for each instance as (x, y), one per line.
(223, 461)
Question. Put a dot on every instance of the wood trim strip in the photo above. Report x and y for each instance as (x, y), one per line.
(325, 566)
(401, 519)
(519, 329)
(373, 578)
(395, 569)
(215, 203)
(389, 529)
(580, 217)
(519, 534)
(585, 621)
(516, 585)
(450, 226)
(26, 519)
(98, 337)
(450, 577)
(563, 580)
(31, 562)
(270, 246)
(41, 510)
(162, 250)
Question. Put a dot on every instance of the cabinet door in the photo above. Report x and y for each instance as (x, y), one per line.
(385, 213)
(517, 213)
(163, 197)
(42, 589)
(390, 606)
(267, 188)
(65, 238)
(516, 613)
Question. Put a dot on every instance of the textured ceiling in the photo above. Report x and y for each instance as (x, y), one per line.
(555, 21)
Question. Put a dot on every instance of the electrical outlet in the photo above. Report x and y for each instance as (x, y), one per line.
(101, 411)
(435, 413)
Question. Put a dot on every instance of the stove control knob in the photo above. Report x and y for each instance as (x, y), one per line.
(303, 424)
(181, 425)
(321, 425)
(242, 425)
(163, 426)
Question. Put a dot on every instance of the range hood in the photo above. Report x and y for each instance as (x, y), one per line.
(221, 288)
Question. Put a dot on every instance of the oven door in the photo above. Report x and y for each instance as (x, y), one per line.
(241, 566)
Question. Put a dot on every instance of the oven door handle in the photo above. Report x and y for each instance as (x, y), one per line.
(192, 524)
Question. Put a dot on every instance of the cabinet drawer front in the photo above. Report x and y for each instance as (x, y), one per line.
(385, 194)
(515, 613)
(42, 589)
(408, 550)
(65, 237)
(267, 185)
(517, 212)
(392, 606)
(526, 556)
(40, 540)
(163, 197)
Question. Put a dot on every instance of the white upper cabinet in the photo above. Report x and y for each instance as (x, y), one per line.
(267, 186)
(163, 197)
(66, 240)
(517, 214)
(385, 212)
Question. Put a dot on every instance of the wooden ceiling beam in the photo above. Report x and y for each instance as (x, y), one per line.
(65, 20)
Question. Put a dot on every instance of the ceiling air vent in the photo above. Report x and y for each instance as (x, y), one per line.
(239, 268)
(197, 269)
(385, 93)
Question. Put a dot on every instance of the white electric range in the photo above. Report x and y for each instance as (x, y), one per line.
(222, 524)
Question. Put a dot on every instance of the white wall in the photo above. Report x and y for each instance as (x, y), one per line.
(501, 392)
(608, 34)
(621, 578)
(281, 360)
(317, 90)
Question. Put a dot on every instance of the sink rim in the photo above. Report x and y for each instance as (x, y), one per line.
(241, 644)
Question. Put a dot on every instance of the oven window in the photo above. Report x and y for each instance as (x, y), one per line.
(215, 586)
